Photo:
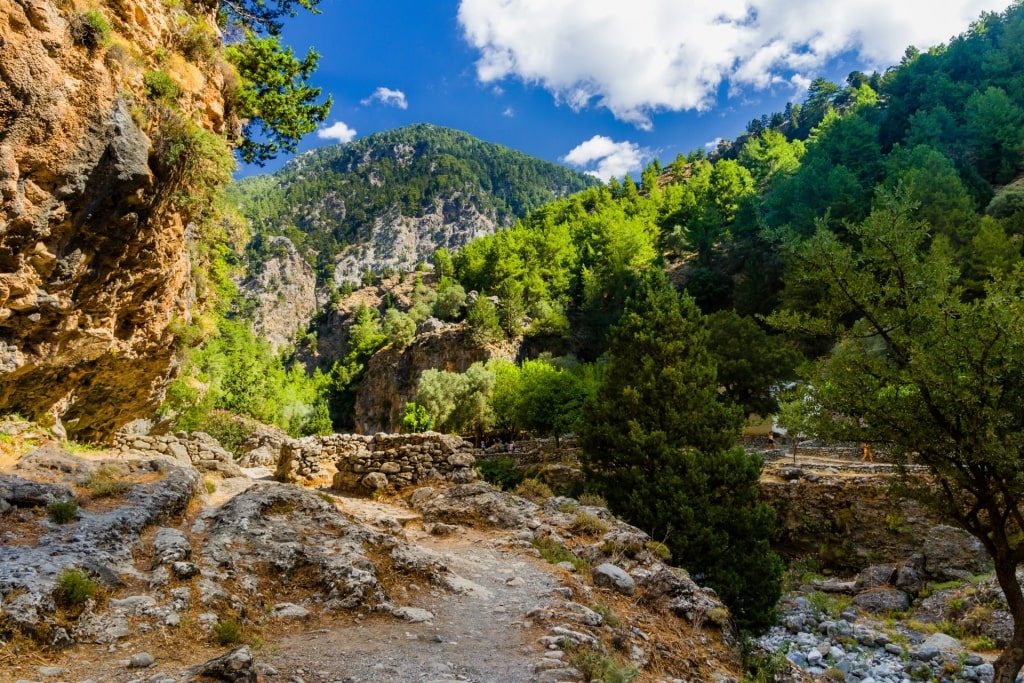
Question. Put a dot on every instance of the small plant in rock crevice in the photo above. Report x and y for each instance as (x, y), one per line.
(62, 511)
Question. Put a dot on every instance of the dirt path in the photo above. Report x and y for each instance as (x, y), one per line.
(479, 630)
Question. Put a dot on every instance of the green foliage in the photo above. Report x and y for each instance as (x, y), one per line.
(415, 418)
(657, 441)
(274, 96)
(482, 321)
(502, 472)
(554, 552)
(74, 587)
(263, 16)
(751, 364)
(160, 86)
(227, 632)
(103, 483)
(922, 369)
(533, 489)
(399, 328)
(597, 666)
(62, 511)
(443, 167)
(458, 402)
(450, 302)
(588, 524)
(90, 29)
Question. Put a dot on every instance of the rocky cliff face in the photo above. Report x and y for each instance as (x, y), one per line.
(285, 291)
(399, 242)
(392, 375)
(93, 258)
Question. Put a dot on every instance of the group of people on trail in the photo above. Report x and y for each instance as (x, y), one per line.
(866, 453)
(509, 447)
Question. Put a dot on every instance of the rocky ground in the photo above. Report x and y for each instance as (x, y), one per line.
(202, 576)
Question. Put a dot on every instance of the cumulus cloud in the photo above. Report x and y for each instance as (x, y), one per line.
(392, 98)
(602, 157)
(509, 112)
(638, 58)
(337, 131)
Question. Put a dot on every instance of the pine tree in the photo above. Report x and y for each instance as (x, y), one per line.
(658, 442)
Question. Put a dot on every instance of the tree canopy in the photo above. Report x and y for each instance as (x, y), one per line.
(926, 372)
(659, 445)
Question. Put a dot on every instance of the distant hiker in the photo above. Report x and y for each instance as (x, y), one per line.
(771, 439)
(867, 455)
(511, 446)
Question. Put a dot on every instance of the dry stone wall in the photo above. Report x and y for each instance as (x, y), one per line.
(353, 462)
(199, 449)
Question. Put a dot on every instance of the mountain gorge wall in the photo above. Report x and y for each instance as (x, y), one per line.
(94, 264)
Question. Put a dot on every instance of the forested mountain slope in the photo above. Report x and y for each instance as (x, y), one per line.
(388, 200)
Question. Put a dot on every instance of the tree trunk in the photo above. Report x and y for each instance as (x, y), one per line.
(1011, 660)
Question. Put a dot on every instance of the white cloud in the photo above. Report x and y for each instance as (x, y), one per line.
(393, 98)
(604, 158)
(638, 58)
(337, 131)
(509, 112)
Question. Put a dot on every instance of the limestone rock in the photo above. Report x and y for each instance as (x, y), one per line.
(609, 576)
(951, 553)
(882, 600)
(236, 666)
(475, 504)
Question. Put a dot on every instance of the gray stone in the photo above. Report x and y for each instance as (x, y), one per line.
(952, 553)
(289, 610)
(236, 666)
(184, 570)
(876, 575)
(607, 575)
(413, 615)
(375, 481)
(941, 641)
(141, 660)
(390, 467)
(881, 600)
(171, 545)
(461, 460)
(51, 671)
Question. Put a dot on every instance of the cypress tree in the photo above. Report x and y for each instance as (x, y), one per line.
(658, 441)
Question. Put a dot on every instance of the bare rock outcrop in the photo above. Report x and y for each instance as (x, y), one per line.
(392, 374)
(285, 288)
(93, 258)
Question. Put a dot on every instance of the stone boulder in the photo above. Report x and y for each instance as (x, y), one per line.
(476, 504)
(951, 553)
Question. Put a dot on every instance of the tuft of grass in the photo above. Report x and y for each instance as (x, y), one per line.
(209, 485)
(831, 604)
(160, 87)
(227, 632)
(90, 29)
(533, 489)
(62, 511)
(611, 618)
(660, 550)
(554, 552)
(596, 666)
(589, 525)
(103, 483)
(593, 500)
(74, 587)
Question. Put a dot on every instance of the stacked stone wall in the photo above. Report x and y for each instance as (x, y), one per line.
(353, 462)
(198, 449)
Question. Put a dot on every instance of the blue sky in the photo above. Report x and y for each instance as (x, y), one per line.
(603, 86)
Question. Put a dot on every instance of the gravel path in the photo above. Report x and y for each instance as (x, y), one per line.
(479, 630)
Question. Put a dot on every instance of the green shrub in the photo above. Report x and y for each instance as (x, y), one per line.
(90, 29)
(229, 431)
(554, 552)
(103, 484)
(589, 525)
(596, 666)
(74, 587)
(501, 472)
(593, 500)
(160, 86)
(62, 511)
(228, 632)
(533, 489)
(660, 550)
